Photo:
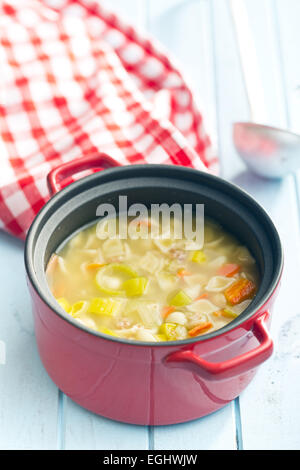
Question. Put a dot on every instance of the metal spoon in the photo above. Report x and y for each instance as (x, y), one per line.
(268, 151)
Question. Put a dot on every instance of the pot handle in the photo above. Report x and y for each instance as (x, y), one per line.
(187, 359)
(58, 177)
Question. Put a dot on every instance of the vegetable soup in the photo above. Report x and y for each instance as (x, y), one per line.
(150, 289)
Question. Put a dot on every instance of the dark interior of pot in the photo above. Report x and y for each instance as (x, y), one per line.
(75, 206)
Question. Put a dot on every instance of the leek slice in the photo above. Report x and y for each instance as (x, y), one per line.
(180, 299)
(198, 256)
(161, 337)
(107, 331)
(168, 330)
(104, 306)
(136, 286)
(79, 308)
(106, 277)
(64, 304)
(226, 312)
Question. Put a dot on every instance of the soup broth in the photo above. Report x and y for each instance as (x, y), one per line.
(153, 290)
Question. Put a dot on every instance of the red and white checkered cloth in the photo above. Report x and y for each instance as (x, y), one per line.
(75, 80)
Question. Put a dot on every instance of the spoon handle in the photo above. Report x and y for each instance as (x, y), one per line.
(248, 61)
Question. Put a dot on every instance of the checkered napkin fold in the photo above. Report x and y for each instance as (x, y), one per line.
(75, 81)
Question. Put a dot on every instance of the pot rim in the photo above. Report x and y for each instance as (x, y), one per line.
(205, 337)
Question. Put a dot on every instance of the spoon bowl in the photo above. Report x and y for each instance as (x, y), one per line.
(268, 151)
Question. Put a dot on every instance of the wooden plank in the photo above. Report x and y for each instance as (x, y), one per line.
(287, 27)
(271, 401)
(81, 429)
(187, 30)
(275, 390)
(213, 432)
(85, 430)
(184, 30)
(28, 398)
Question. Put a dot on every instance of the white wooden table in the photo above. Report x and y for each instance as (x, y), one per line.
(34, 414)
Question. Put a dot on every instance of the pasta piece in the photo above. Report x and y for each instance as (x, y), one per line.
(177, 317)
(151, 263)
(166, 280)
(243, 255)
(218, 283)
(113, 248)
(214, 243)
(149, 313)
(143, 334)
(203, 306)
(217, 262)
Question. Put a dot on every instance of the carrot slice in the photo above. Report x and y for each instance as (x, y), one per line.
(183, 272)
(201, 328)
(167, 310)
(202, 296)
(240, 290)
(91, 266)
(229, 270)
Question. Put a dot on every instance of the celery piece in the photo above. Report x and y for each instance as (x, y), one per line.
(104, 306)
(64, 304)
(180, 299)
(107, 331)
(226, 312)
(168, 330)
(161, 337)
(109, 273)
(198, 256)
(136, 286)
(79, 307)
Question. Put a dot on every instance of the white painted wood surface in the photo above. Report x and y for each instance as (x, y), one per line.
(200, 35)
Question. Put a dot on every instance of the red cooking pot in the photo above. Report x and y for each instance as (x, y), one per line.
(138, 382)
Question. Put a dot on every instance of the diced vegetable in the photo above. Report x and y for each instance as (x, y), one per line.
(148, 312)
(202, 296)
(109, 278)
(203, 306)
(92, 266)
(136, 286)
(218, 283)
(226, 312)
(105, 306)
(198, 256)
(183, 272)
(79, 308)
(161, 337)
(229, 270)
(145, 335)
(180, 299)
(166, 280)
(151, 263)
(124, 284)
(107, 331)
(176, 317)
(64, 304)
(169, 330)
(167, 310)
(241, 290)
(201, 328)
